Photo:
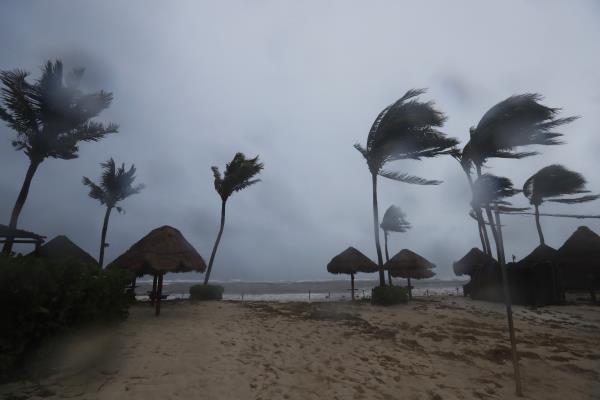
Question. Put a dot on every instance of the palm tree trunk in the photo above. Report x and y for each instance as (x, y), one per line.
(376, 231)
(214, 250)
(387, 256)
(511, 328)
(539, 226)
(488, 212)
(14, 217)
(103, 237)
(483, 235)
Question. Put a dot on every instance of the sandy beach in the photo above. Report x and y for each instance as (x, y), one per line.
(434, 348)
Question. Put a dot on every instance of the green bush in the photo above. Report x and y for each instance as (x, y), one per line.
(388, 295)
(39, 297)
(206, 292)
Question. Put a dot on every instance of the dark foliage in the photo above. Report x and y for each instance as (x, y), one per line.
(116, 184)
(389, 295)
(206, 292)
(238, 175)
(554, 181)
(40, 297)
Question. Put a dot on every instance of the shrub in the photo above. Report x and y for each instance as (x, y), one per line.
(39, 297)
(388, 295)
(206, 292)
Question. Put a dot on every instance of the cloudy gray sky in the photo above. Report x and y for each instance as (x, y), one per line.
(298, 83)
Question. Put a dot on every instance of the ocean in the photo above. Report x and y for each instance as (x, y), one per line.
(328, 290)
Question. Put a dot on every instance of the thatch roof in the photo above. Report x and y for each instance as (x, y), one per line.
(162, 250)
(540, 254)
(62, 247)
(583, 243)
(5, 231)
(351, 261)
(472, 261)
(408, 264)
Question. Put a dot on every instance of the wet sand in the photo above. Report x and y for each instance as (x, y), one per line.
(434, 348)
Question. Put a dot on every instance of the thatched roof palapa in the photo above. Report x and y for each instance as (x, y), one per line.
(162, 250)
(473, 261)
(583, 244)
(541, 254)
(408, 264)
(351, 261)
(62, 247)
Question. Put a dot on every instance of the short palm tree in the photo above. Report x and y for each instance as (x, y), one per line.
(550, 184)
(405, 130)
(519, 120)
(116, 184)
(394, 220)
(50, 116)
(239, 174)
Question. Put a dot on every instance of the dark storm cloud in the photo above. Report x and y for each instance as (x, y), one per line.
(299, 84)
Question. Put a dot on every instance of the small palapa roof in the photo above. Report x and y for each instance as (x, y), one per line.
(408, 264)
(5, 231)
(581, 249)
(351, 261)
(162, 250)
(472, 261)
(62, 247)
(540, 254)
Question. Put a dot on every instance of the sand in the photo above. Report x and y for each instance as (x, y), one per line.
(435, 348)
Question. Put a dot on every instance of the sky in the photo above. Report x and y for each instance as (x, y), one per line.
(297, 83)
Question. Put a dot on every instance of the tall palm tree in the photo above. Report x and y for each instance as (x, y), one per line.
(394, 220)
(50, 116)
(406, 129)
(550, 184)
(116, 184)
(519, 120)
(239, 174)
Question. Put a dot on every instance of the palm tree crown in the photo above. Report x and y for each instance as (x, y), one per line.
(116, 184)
(394, 220)
(52, 115)
(519, 120)
(554, 181)
(238, 175)
(406, 129)
(492, 190)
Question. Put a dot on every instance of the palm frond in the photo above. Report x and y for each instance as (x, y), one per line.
(96, 192)
(490, 189)
(554, 181)
(575, 200)
(405, 178)
(238, 175)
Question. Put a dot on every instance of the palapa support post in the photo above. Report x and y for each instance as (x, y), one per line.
(159, 294)
(511, 328)
(352, 285)
(409, 289)
(153, 292)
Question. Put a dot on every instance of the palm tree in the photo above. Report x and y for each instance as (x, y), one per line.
(550, 184)
(238, 176)
(116, 184)
(51, 116)
(405, 130)
(520, 120)
(394, 220)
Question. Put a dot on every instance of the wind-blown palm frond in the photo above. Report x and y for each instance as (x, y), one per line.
(116, 184)
(394, 220)
(415, 180)
(519, 120)
(237, 176)
(554, 181)
(52, 115)
(406, 129)
(490, 189)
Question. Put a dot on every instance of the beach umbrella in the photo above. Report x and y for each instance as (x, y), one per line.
(409, 265)
(162, 250)
(351, 261)
(61, 247)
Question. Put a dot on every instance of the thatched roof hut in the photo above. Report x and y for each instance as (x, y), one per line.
(408, 264)
(472, 262)
(351, 261)
(162, 250)
(579, 260)
(540, 255)
(61, 247)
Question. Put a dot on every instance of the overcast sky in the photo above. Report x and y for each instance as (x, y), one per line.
(297, 83)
